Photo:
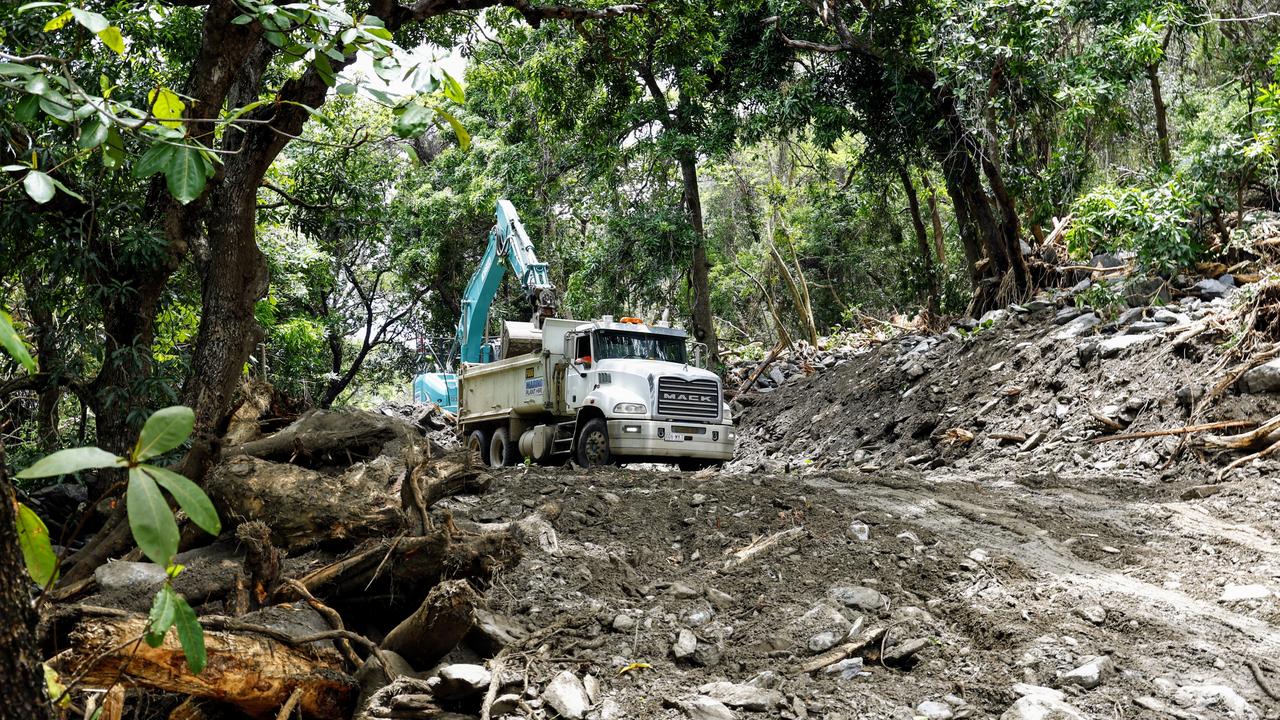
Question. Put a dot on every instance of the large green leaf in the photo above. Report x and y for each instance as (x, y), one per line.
(164, 431)
(166, 106)
(189, 496)
(413, 119)
(150, 518)
(185, 174)
(11, 342)
(190, 634)
(65, 462)
(154, 160)
(464, 138)
(39, 186)
(93, 134)
(37, 550)
(161, 617)
(112, 38)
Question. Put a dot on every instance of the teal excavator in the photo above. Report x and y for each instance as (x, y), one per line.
(509, 248)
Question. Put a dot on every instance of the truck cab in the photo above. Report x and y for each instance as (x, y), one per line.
(599, 392)
(655, 403)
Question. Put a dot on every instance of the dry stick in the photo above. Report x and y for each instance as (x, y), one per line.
(1106, 421)
(1189, 429)
(335, 621)
(495, 681)
(751, 380)
(1246, 440)
(1265, 452)
(290, 704)
(1263, 683)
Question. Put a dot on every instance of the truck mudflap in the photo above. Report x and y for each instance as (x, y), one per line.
(663, 440)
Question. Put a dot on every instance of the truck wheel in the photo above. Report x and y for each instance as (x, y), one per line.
(478, 442)
(503, 452)
(593, 444)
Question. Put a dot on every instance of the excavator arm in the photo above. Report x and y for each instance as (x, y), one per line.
(509, 247)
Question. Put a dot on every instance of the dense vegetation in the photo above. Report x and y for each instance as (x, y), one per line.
(198, 190)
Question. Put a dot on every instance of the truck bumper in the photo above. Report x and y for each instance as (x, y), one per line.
(660, 440)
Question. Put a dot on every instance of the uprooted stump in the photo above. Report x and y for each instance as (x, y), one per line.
(254, 671)
(323, 438)
(437, 626)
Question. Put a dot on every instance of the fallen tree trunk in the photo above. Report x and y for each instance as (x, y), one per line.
(437, 626)
(436, 478)
(249, 670)
(331, 437)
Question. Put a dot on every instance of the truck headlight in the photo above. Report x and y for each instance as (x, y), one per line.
(630, 409)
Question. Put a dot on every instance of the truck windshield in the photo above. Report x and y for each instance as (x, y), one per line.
(619, 344)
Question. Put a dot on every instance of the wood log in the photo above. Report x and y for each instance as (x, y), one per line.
(406, 568)
(262, 561)
(305, 507)
(251, 671)
(332, 437)
(437, 626)
(436, 478)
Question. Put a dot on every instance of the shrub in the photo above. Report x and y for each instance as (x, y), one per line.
(1155, 223)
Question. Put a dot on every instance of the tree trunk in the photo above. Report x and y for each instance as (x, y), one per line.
(922, 244)
(1162, 116)
(21, 679)
(939, 244)
(703, 323)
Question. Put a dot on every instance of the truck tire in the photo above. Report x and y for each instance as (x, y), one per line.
(593, 444)
(478, 442)
(503, 451)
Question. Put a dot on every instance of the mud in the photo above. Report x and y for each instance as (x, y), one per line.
(1003, 562)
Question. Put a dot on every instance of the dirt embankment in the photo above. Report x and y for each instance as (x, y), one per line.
(925, 530)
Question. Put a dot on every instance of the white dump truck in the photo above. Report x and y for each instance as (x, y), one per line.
(600, 392)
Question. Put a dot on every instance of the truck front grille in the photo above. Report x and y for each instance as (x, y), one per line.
(694, 399)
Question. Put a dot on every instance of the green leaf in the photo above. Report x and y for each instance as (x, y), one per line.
(412, 120)
(37, 550)
(464, 138)
(92, 21)
(26, 109)
(166, 106)
(452, 89)
(150, 518)
(54, 687)
(189, 496)
(241, 20)
(56, 106)
(59, 22)
(16, 69)
(57, 183)
(185, 175)
(160, 619)
(164, 431)
(112, 38)
(190, 634)
(93, 134)
(65, 462)
(10, 341)
(154, 160)
(113, 150)
(346, 89)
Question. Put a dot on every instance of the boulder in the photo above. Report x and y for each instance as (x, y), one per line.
(1264, 378)
(567, 696)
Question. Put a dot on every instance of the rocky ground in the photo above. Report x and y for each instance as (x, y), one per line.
(922, 528)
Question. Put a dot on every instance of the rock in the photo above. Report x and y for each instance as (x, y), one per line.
(701, 707)
(1264, 378)
(914, 370)
(592, 686)
(697, 500)
(823, 641)
(858, 531)
(699, 616)
(1091, 674)
(504, 705)
(905, 650)
(992, 317)
(856, 596)
(848, 669)
(462, 680)
(1095, 614)
(127, 575)
(1078, 327)
(1113, 346)
(746, 697)
(1130, 316)
(609, 710)
(934, 710)
(681, 590)
(777, 376)
(1236, 593)
(718, 598)
(1144, 326)
(707, 654)
(1206, 696)
(624, 623)
(1168, 317)
(1067, 314)
(1041, 707)
(1038, 305)
(1210, 289)
(1200, 492)
(1026, 690)
(371, 678)
(567, 696)
(979, 555)
(686, 643)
